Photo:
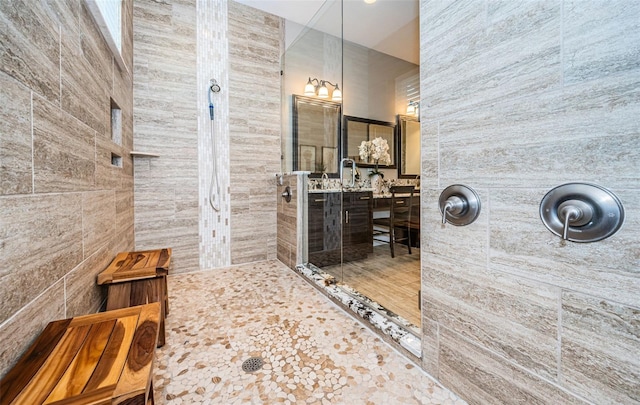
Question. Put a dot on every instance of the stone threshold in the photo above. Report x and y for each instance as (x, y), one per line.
(400, 333)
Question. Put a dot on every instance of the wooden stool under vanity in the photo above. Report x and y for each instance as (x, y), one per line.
(137, 278)
(103, 358)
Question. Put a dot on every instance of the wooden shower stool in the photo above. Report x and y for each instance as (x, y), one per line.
(103, 358)
(137, 278)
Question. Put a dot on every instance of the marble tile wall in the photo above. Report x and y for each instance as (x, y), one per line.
(65, 210)
(518, 98)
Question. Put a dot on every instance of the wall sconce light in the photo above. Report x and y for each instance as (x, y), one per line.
(413, 108)
(320, 89)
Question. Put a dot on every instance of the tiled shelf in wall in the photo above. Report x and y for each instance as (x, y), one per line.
(143, 154)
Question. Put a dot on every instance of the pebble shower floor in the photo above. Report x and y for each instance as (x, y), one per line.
(312, 351)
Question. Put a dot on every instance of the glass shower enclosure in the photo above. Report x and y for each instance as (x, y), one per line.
(312, 126)
(337, 94)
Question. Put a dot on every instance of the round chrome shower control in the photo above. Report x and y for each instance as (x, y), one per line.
(581, 212)
(459, 205)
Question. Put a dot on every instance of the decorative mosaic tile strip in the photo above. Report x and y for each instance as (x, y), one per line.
(213, 63)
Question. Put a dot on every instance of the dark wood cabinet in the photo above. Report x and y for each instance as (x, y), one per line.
(324, 228)
(358, 225)
(339, 219)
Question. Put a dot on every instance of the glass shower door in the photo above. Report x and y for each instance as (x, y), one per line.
(379, 87)
(312, 139)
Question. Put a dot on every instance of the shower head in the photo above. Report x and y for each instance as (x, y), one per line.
(213, 86)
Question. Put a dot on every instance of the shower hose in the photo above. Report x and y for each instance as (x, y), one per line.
(214, 187)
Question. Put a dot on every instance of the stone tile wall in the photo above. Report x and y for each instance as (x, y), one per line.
(517, 98)
(165, 122)
(179, 46)
(292, 220)
(255, 40)
(65, 209)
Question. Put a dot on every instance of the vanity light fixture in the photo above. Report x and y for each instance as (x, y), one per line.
(413, 108)
(323, 92)
(320, 89)
(369, 1)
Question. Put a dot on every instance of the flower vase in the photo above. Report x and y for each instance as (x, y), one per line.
(376, 183)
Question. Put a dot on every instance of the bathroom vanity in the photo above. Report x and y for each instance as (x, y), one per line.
(325, 217)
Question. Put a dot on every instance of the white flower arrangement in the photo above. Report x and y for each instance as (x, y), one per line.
(376, 150)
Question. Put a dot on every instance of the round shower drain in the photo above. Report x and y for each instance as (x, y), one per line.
(252, 364)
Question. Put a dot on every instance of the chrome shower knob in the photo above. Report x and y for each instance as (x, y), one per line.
(575, 213)
(459, 205)
(581, 212)
(286, 194)
(453, 206)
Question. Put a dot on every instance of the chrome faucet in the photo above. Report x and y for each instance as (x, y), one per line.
(353, 171)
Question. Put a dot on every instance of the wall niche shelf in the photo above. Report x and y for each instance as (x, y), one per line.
(143, 154)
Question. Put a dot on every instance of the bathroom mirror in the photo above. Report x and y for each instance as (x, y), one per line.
(408, 128)
(363, 129)
(316, 133)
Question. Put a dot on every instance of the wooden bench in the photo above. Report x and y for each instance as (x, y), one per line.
(136, 278)
(104, 358)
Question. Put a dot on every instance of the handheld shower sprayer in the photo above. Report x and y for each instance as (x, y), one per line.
(214, 87)
(214, 188)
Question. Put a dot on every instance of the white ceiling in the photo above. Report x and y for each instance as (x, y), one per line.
(388, 26)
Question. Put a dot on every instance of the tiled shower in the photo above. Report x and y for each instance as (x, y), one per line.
(517, 98)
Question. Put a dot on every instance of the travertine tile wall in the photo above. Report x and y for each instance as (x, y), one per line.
(255, 40)
(169, 83)
(517, 98)
(165, 122)
(65, 210)
(292, 219)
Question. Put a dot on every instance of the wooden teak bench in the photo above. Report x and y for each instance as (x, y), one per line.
(104, 358)
(136, 278)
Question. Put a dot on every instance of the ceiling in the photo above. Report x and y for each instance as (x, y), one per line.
(387, 26)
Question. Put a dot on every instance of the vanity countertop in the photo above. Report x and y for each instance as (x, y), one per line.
(363, 190)
(337, 190)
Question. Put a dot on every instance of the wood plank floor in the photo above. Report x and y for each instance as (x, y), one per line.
(392, 282)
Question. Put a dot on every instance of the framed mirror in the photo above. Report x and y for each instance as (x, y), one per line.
(408, 128)
(316, 134)
(363, 129)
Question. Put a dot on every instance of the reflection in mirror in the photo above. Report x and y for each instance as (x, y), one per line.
(408, 146)
(316, 130)
(363, 129)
